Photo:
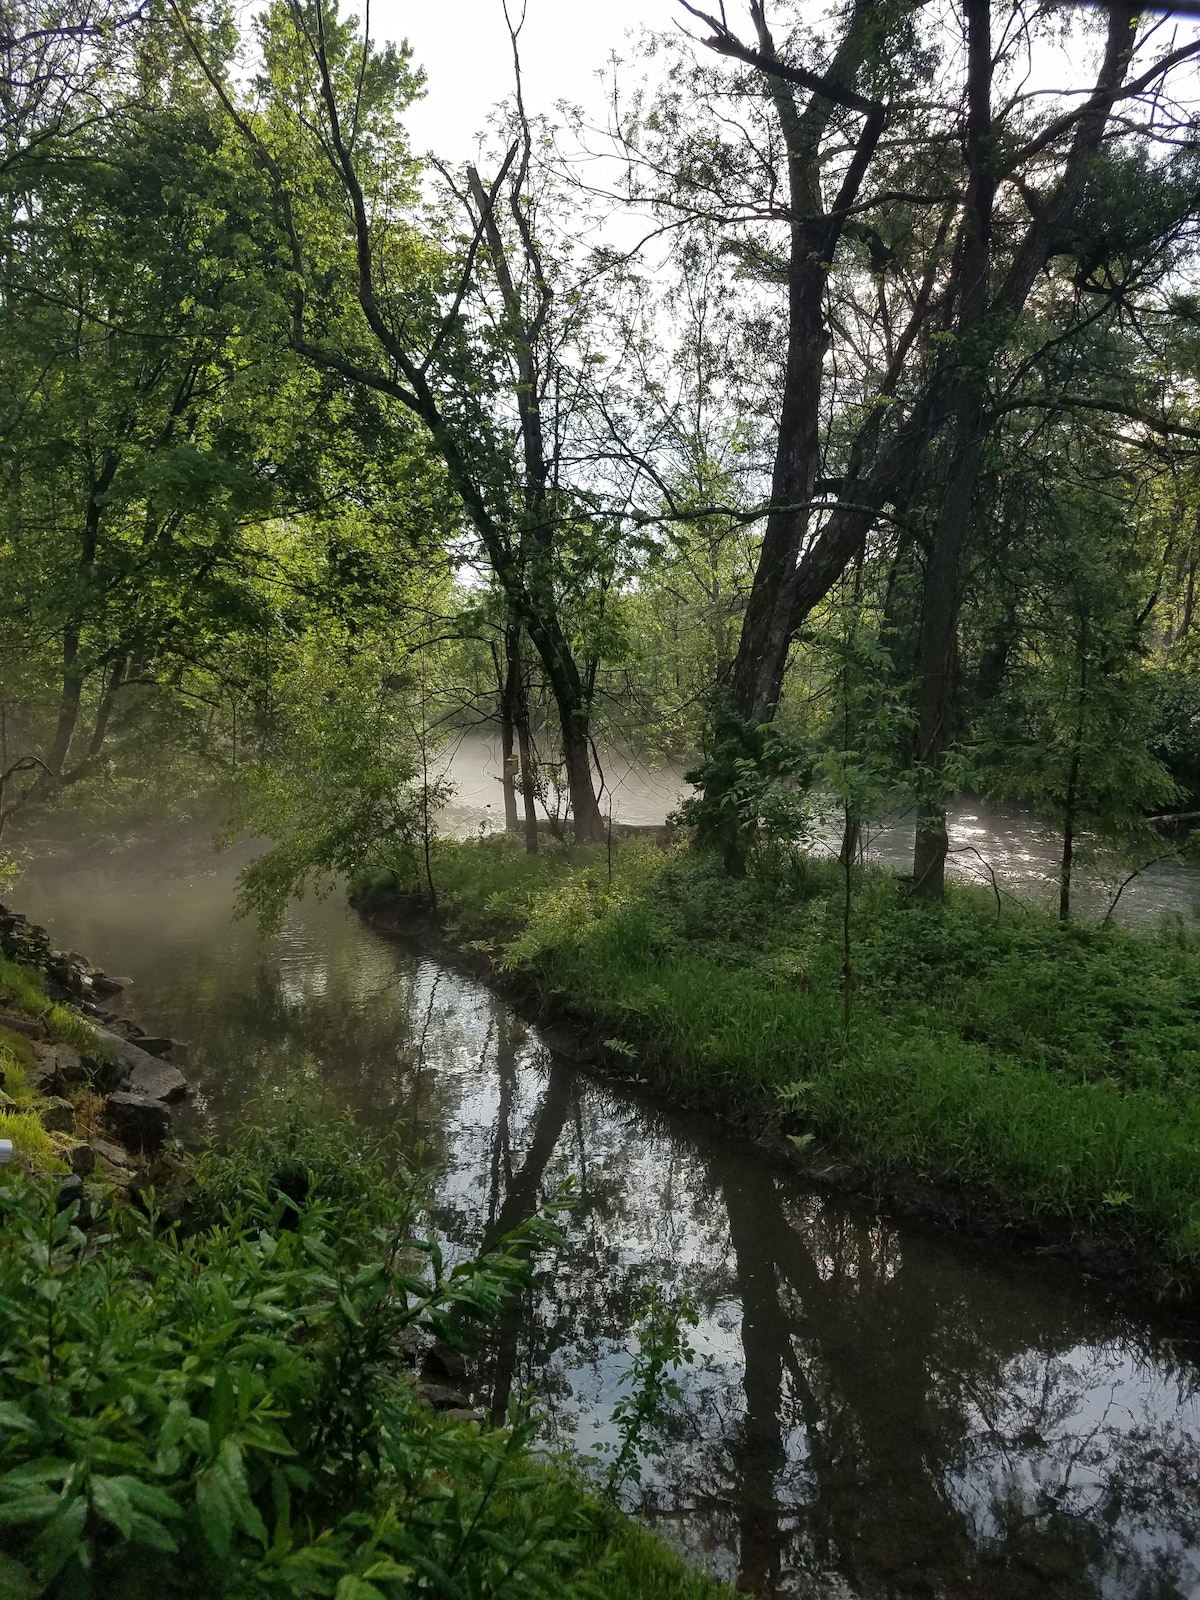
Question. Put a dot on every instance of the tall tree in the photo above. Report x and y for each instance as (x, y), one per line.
(905, 289)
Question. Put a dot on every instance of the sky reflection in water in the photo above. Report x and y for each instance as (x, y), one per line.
(874, 1412)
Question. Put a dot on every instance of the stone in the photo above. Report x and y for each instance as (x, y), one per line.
(155, 1046)
(56, 1068)
(81, 1159)
(138, 1072)
(115, 1154)
(104, 983)
(172, 1187)
(31, 1030)
(139, 1123)
(70, 1191)
(444, 1361)
(43, 1075)
(71, 1070)
(442, 1397)
(464, 1414)
(57, 1115)
(158, 1080)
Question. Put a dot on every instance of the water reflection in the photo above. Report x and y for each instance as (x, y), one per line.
(874, 1412)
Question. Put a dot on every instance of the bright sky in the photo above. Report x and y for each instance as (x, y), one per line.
(463, 46)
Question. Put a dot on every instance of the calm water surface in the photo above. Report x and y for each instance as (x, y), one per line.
(874, 1412)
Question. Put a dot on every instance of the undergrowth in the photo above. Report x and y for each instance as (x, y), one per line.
(1051, 1069)
(226, 1413)
(21, 988)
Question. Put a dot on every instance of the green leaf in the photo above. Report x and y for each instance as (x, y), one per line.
(110, 1501)
(223, 1407)
(215, 1512)
(352, 1588)
(16, 1581)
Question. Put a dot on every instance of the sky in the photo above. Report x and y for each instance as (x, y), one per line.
(463, 46)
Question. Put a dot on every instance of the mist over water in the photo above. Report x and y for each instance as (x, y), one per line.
(875, 1411)
(993, 847)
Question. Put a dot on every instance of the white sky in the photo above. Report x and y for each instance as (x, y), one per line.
(463, 46)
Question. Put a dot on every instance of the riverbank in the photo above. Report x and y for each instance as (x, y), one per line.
(1001, 1074)
(85, 1095)
(246, 1380)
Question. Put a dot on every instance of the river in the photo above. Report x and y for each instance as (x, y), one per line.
(875, 1411)
(1004, 850)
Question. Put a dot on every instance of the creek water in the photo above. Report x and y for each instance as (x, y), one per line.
(1002, 849)
(874, 1411)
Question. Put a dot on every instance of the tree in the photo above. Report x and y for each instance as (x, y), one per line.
(908, 217)
(390, 307)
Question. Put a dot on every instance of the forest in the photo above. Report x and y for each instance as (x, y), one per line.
(823, 423)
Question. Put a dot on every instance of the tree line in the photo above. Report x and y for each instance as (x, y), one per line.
(828, 418)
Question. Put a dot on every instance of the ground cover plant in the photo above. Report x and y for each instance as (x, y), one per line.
(1052, 1069)
(226, 1412)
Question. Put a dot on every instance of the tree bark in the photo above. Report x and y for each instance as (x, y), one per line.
(942, 595)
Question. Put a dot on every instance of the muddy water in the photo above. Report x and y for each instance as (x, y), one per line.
(873, 1412)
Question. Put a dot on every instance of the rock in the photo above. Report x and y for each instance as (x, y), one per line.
(115, 1154)
(408, 1344)
(464, 1414)
(104, 983)
(444, 1361)
(138, 1122)
(81, 1158)
(158, 1080)
(154, 1046)
(56, 1068)
(170, 1186)
(57, 1115)
(32, 1030)
(442, 1397)
(8, 1104)
(70, 1192)
(141, 1073)
(43, 1076)
(71, 1069)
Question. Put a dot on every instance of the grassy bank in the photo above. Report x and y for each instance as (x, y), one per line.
(227, 1409)
(23, 994)
(1036, 1071)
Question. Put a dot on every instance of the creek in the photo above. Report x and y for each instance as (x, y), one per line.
(875, 1411)
(1004, 850)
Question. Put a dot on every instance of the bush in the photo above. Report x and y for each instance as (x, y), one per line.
(225, 1414)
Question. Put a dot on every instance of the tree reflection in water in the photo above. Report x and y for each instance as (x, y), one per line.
(874, 1412)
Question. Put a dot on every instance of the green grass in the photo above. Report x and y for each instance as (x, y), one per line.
(31, 1140)
(22, 990)
(1048, 1070)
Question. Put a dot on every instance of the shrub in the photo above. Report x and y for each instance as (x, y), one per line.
(225, 1414)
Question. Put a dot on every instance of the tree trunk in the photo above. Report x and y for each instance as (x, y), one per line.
(1068, 850)
(586, 819)
(517, 703)
(508, 757)
(943, 574)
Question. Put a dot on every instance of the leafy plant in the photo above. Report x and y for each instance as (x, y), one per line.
(228, 1414)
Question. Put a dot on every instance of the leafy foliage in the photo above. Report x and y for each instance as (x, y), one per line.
(227, 1414)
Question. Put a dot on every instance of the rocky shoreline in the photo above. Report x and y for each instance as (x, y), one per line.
(102, 1095)
(107, 1109)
